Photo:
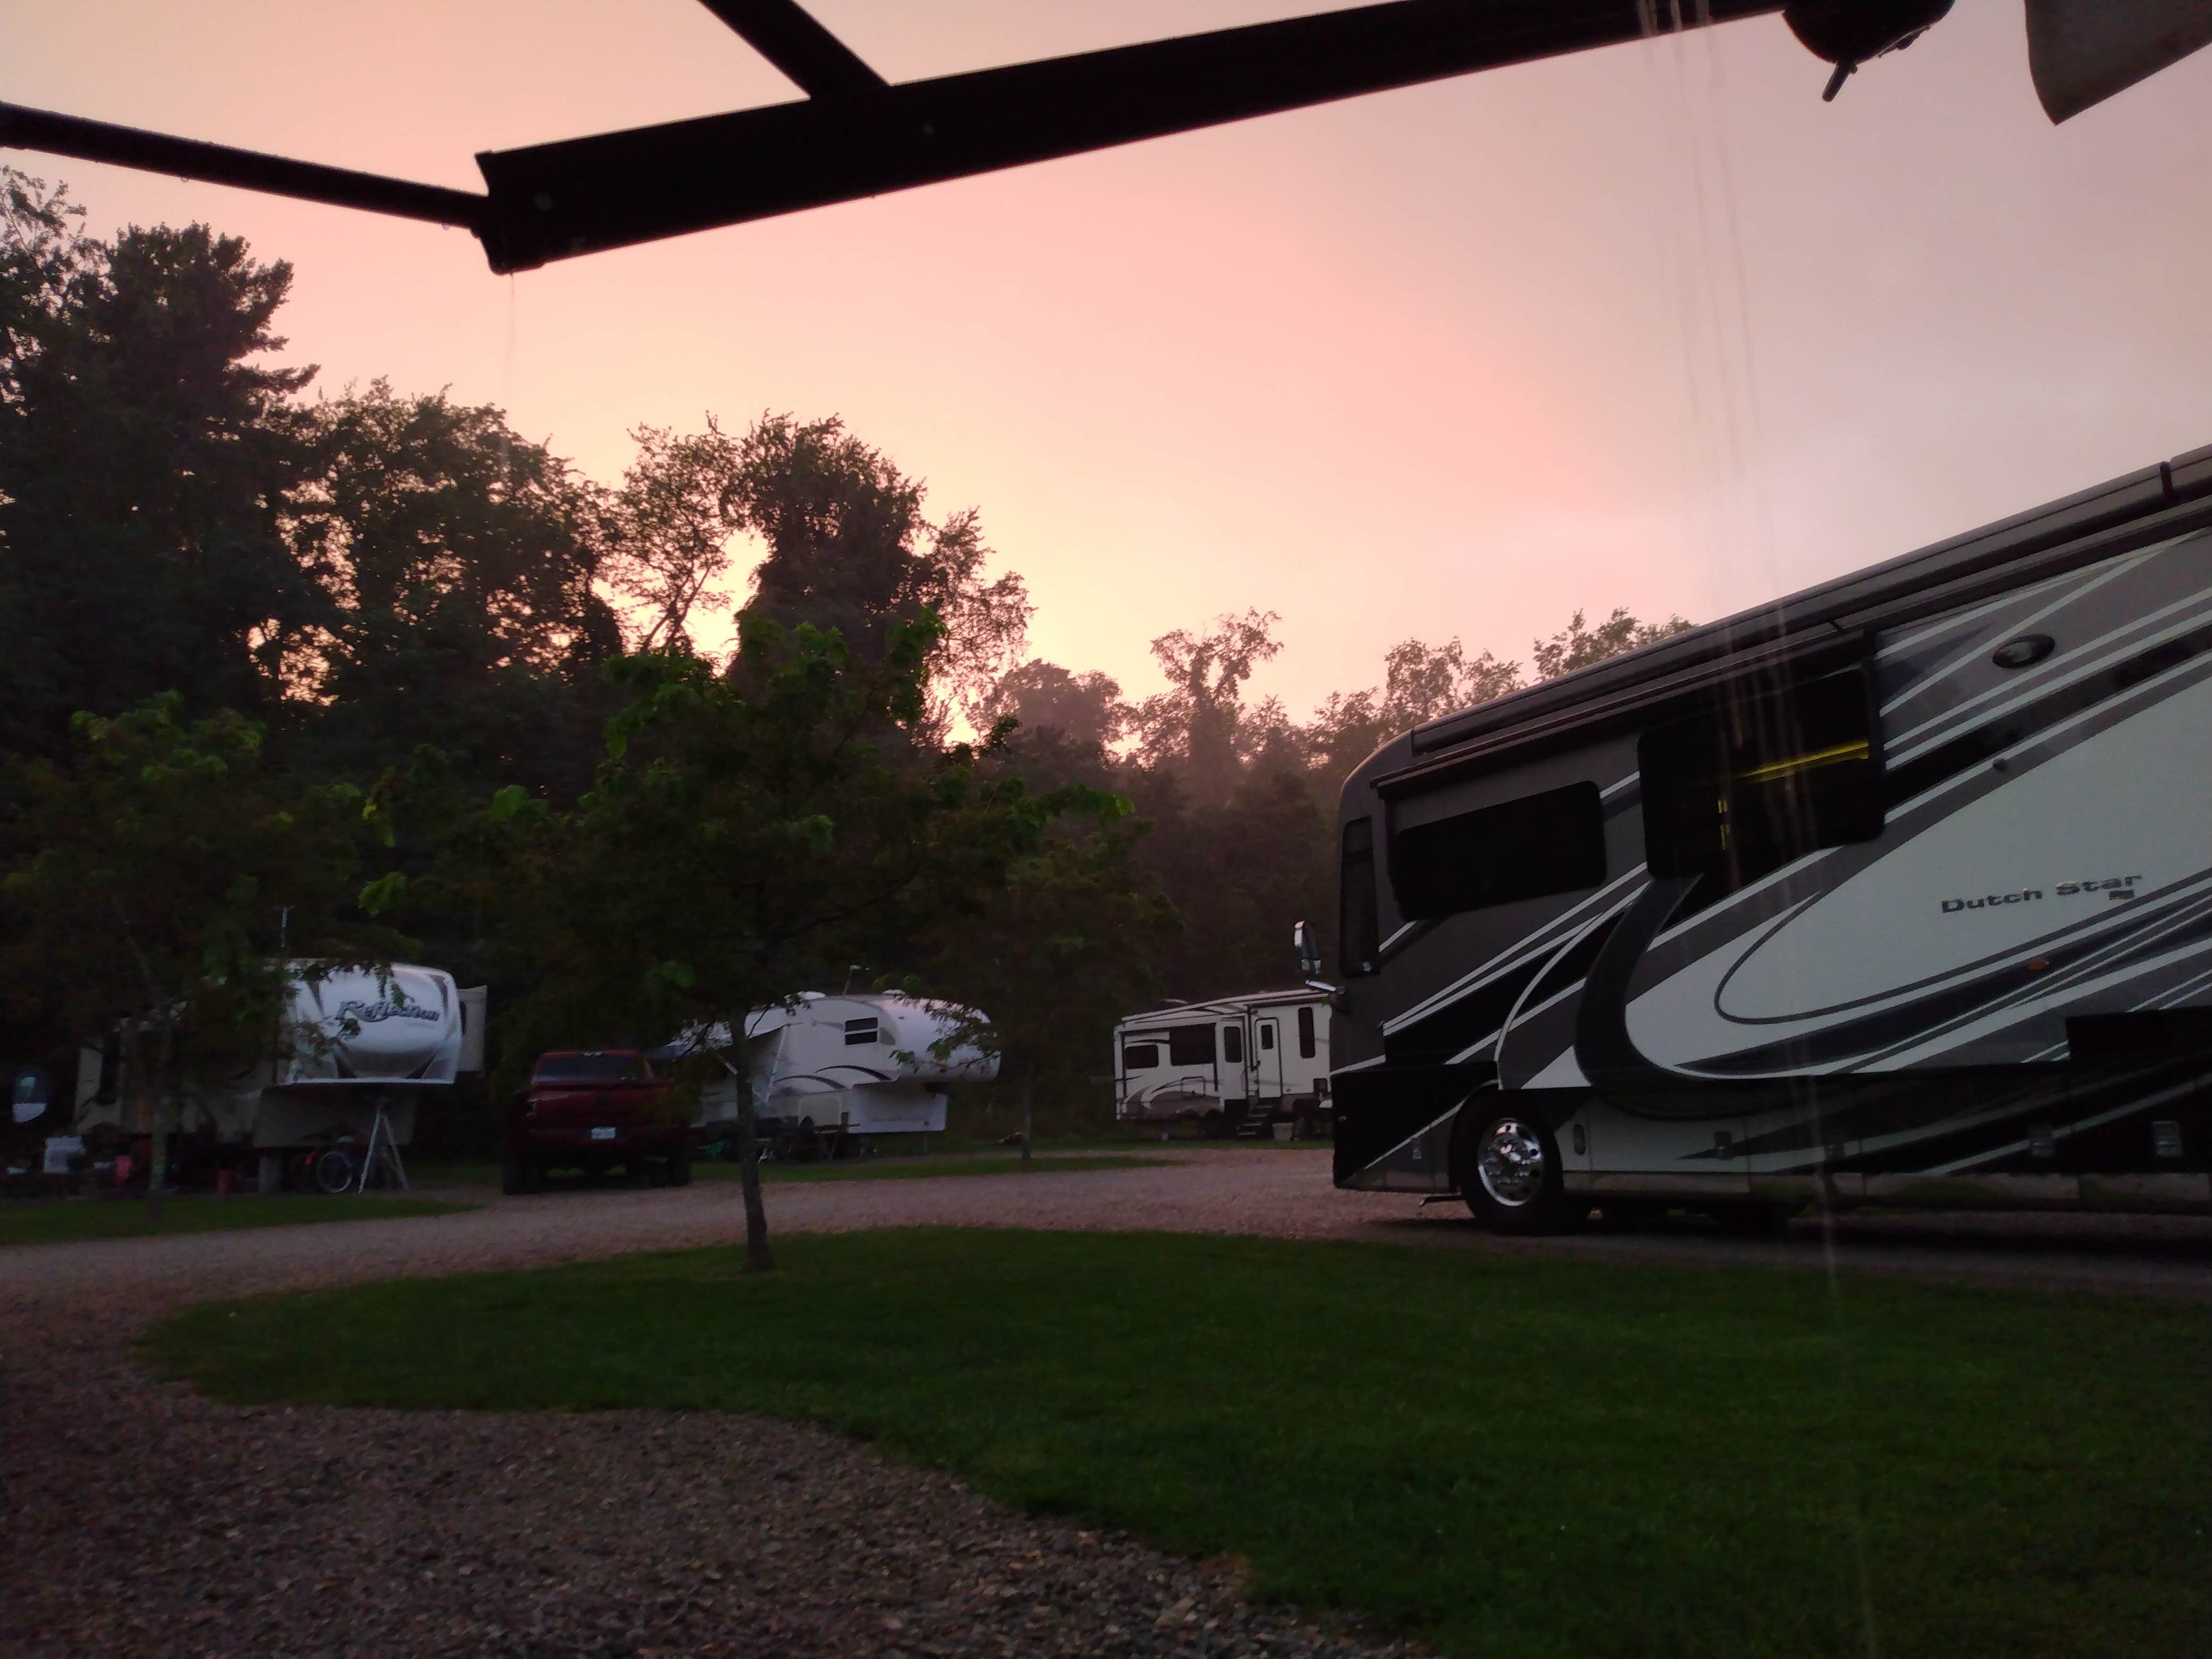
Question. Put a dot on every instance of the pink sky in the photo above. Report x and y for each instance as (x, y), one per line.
(1651, 327)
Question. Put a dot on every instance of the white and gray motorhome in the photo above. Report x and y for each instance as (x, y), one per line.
(351, 1040)
(1232, 1065)
(827, 1068)
(1900, 890)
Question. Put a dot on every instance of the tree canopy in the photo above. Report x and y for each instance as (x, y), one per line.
(383, 584)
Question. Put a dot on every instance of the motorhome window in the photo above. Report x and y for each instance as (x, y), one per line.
(1758, 780)
(1359, 924)
(1141, 1056)
(1268, 1034)
(1553, 842)
(1305, 1034)
(1232, 1045)
(588, 1068)
(1190, 1045)
(859, 1031)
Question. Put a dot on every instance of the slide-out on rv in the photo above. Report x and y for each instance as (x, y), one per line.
(826, 1070)
(351, 1041)
(1233, 1065)
(1898, 890)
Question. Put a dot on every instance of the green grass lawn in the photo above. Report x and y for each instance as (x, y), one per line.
(70, 1222)
(1508, 1457)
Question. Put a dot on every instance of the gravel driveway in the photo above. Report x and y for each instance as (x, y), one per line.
(141, 1520)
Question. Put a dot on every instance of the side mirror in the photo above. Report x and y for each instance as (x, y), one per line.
(1308, 949)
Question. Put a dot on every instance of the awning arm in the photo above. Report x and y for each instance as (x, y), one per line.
(784, 32)
(86, 140)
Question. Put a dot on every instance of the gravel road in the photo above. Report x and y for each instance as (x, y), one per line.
(141, 1520)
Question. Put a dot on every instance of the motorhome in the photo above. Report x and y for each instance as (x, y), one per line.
(1234, 1066)
(1898, 891)
(351, 1043)
(825, 1073)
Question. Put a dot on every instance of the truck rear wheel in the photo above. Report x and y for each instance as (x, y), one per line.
(1510, 1174)
(679, 1166)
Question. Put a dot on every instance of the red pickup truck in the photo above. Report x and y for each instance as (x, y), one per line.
(592, 1110)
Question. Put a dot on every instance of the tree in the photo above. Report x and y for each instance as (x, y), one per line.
(460, 563)
(1579, 644)
(1085, 710)
(1420, 682)
(669, 529)
(744, 840)
(1199, 722)
(166, 877)
(849, 550)
(1053, 964)
(145, 459)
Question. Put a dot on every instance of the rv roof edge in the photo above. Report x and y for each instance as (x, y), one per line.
(2129, 499)
(2191, 475)
(1181, 1013)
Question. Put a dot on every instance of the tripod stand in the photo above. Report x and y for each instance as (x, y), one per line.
(382, 1143)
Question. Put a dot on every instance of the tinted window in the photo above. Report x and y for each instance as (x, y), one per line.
(1752, 783)
(1359, 926)
(589, 1068)
(1553, 842)
(1141, 1056)
(1268, 1034)
(1305, 1034)
(860, 1030)
(1190, 1045)
(1232, 1044)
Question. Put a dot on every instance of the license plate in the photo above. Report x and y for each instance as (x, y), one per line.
(602, 1134)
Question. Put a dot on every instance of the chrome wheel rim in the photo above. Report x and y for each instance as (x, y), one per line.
(1511, 1163)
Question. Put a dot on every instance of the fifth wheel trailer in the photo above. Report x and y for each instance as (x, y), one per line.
(824, 1070)
(352, 1042)
(1232, 1065)
(1898, 890)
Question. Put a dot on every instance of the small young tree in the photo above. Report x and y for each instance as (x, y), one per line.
(747, 836)
(165, 877)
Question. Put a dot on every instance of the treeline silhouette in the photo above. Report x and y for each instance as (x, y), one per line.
(372, 576)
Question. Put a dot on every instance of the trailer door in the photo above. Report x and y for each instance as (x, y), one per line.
(1267, 1059)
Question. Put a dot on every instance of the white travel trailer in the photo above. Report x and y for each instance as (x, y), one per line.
(825, 1069)
(1232, 1065)
(352, 1042)
(1898, 890)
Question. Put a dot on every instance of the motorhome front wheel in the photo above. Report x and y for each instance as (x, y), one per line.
(1508, 1172)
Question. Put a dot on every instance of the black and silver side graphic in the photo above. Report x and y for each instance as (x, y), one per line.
(1903, 882)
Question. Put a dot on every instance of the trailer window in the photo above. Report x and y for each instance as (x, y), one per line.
(1190, 1045)
(859, 1031)
(1232, 1044)
(1305, 1033)
(1553, 842)
(1268, 1034)
(1141, 1056)
(1358, 925)
(1754, 782)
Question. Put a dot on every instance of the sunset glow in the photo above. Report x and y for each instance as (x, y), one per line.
(1652, 326)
